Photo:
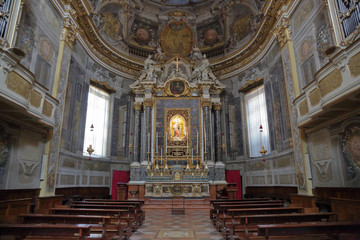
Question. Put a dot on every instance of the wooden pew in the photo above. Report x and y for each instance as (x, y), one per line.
(55, 231)
(221, 215)
(233, 215)
(138, 206)
(248, 223)
(215, 210)
(10, 209)
(331, 229)
(43, 204)
(132, 210)
(121, 216)
(99, 224)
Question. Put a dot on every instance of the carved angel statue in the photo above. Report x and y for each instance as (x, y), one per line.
(203, 71)
(150, 71)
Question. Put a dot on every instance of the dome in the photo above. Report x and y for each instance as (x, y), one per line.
(134, 29)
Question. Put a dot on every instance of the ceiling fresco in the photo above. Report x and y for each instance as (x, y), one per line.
(176, 27)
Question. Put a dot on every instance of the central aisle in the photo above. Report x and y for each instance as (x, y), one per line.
(161, 224)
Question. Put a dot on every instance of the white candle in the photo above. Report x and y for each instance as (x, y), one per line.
(161, 156)
(148, 142)
(205, 139)
(165, 143)
(157, 142)
(192, 156)
(197, 141)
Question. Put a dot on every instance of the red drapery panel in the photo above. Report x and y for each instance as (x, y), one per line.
(233, 176)
(118, 177)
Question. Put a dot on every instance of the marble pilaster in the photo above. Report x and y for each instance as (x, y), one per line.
(206, 107)
(137, 129)
(219, 156)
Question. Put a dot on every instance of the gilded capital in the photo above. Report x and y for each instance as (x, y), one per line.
(148, 102)
(217, 106)
(68, 33)
(205, 102)
(282, 32)
(138, 106)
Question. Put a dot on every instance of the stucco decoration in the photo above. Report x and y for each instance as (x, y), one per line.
(350, 147)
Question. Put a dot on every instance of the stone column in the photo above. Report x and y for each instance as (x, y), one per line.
(135, 165)
(148, 103)
(52, 147)
(206, 104)
(219, 165)
(283, 35)
(218, 142)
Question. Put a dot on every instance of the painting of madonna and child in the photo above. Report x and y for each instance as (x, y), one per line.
(178, 130)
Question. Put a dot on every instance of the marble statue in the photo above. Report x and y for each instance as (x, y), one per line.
(150, 71)
(203, 71)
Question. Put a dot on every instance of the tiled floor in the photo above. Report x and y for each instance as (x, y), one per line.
(161, 224)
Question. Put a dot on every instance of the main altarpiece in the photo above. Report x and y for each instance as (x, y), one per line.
(177, 142)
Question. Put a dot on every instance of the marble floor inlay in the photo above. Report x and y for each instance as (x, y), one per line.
(161, 224)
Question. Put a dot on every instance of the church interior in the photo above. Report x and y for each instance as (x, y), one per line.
(119, 116)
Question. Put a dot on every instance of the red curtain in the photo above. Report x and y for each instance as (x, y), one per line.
(119, 177)
(233, 176)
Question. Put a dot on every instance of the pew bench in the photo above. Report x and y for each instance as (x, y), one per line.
(132, 210)
(247, 224)
(55, 231)
(222, 211)
(301, 230)
(119, 217)
(137, 205)
(99, 224)
(233, 215)
(216, 206)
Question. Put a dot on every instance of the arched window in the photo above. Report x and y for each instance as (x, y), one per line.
(257, 121)
(97, 121)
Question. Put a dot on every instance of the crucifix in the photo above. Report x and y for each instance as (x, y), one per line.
(177, 64)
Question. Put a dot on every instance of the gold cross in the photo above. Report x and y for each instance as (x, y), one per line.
(177, 64)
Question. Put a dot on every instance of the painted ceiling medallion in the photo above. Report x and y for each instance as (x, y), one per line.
(177, 39)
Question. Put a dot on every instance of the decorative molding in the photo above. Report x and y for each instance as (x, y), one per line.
(205, 102)
(282, 32)
(68, 33)
(103, 85)
(331, 82)
(217, 106)
(148, 102)
(315, 96)
(251, 84)
(138, 106)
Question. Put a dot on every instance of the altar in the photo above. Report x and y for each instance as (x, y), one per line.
(170, 189)
(176, 150)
